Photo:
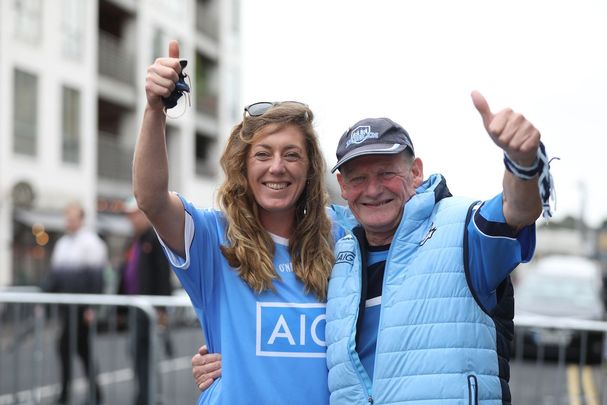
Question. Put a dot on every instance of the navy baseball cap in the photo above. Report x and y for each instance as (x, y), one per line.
(372, 136)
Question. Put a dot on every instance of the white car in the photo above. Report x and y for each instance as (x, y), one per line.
(560, 287)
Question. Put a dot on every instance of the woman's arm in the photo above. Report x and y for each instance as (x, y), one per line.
(150, 163)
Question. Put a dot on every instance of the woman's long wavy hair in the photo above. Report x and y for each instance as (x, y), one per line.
(251, 249)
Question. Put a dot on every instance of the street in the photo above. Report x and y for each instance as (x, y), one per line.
(532, 382)
(535, 383)
(114, 362)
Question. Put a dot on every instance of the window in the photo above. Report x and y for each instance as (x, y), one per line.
(115, 53)
(236, 17)
(160, 44)
(25, 113)
(70, 148)
(206, 85)
(72, 28)
(114, 156)
(28, 20)
(207, 17)
(205, 152)
(176, 9)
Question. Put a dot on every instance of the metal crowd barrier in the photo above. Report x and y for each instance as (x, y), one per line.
(554, 360)
(558, 361)
(29, 363)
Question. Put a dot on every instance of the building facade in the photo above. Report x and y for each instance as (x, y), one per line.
(72, 77)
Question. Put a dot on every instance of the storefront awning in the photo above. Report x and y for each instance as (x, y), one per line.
(53, 221)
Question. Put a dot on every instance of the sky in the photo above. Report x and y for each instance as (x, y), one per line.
(416, 62)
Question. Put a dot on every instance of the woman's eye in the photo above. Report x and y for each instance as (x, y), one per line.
(292, 157)
(261, 155)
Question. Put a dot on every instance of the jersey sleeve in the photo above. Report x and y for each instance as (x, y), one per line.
(198, 270)
(494, 249)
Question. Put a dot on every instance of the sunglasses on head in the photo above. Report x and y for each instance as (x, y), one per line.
(261, 107)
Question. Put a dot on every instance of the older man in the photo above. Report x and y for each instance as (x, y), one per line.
(420, 303)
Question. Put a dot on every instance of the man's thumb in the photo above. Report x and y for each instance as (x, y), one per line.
(173, 49)
(482, 107)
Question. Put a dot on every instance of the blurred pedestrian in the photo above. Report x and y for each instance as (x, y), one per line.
(145, 271)
(77, 264)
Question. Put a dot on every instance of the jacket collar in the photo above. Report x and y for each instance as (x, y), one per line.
(419, 207)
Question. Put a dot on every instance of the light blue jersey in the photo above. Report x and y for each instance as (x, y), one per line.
(272, 344)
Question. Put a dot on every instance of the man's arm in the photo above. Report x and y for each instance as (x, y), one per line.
(150, 163)
(519, 140)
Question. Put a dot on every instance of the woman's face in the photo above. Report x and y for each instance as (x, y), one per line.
(277, 168)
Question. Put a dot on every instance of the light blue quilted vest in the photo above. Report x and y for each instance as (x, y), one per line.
(435, 345)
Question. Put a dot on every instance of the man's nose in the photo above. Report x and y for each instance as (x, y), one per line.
(374, 186)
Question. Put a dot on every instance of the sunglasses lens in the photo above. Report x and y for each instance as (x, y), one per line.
(257, 109)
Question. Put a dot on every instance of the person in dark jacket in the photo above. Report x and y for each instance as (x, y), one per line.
(145, 271)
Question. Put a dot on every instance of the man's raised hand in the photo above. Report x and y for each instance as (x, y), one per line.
(510, 131)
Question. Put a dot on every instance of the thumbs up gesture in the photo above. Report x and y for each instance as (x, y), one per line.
(162, 76)
(510, 131)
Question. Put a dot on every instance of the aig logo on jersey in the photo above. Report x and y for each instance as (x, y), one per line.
(290, 330)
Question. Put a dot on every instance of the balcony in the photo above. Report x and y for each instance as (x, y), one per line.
(114, 161)
(206, 85)
(207, 103)
(207, 18)
(206, 148)
(25, 138)
(114, 61)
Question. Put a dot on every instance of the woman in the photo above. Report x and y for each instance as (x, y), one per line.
(257, 270)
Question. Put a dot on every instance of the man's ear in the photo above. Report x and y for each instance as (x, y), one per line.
(417, 172)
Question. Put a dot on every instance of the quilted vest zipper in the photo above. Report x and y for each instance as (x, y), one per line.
(354, 358)
(472, 390)
(383, 294)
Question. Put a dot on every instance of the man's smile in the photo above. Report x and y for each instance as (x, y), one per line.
(378, 204)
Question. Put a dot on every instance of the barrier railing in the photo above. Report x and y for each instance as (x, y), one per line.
(554, 360)
(29, 321)
(558, 361)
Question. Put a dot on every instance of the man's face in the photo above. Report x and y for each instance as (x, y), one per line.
(73, 218)
(376, 188)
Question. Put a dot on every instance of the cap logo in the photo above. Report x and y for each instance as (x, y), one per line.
(361, 134)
